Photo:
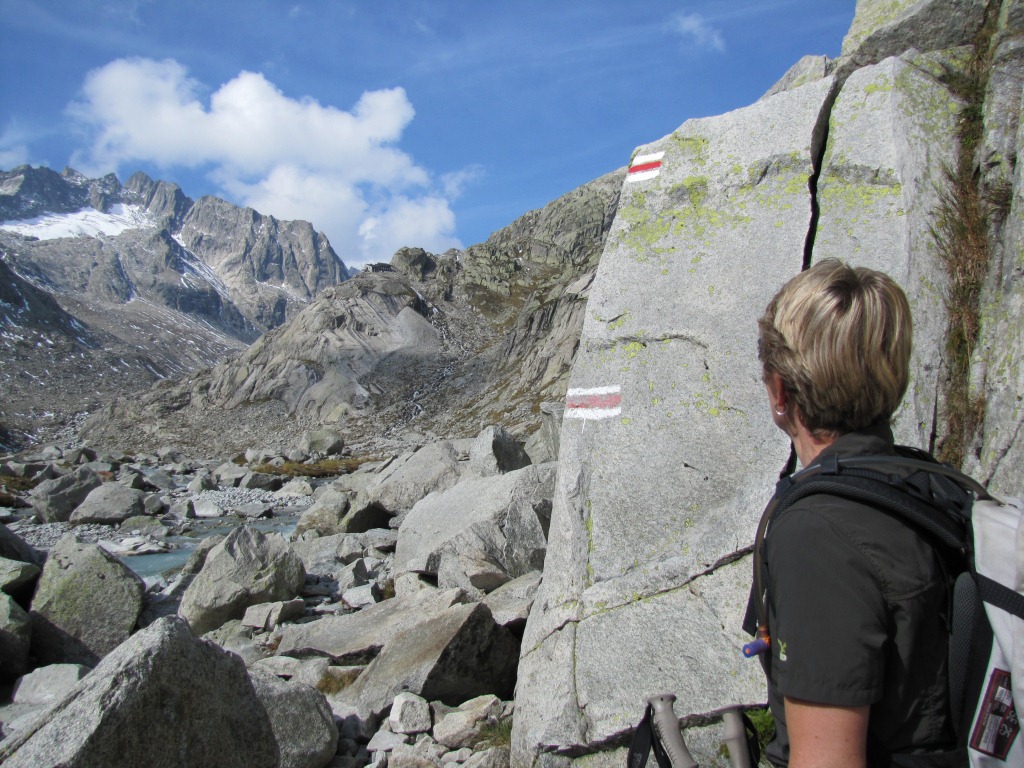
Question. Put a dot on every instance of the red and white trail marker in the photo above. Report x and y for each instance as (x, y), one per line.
(645, 167)
(593, 403)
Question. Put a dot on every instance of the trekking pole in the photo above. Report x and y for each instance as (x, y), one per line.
(666, 727)
(736, 738)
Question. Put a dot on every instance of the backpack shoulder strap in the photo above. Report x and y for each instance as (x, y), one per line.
(943, 518)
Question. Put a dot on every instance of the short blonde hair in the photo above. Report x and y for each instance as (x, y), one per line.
(840, 338)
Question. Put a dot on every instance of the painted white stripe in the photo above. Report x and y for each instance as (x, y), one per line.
(641, 159)
(591, 413)
(584, 391)
(643, 175)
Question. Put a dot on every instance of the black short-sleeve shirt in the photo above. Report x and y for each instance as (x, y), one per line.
(857, 608)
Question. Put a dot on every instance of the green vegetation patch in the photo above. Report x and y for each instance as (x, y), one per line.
(325, 468)
(960, 234)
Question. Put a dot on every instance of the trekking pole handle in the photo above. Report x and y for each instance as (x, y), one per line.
(736, 738)
(666, 726)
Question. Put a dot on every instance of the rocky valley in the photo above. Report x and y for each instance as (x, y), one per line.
(472, 508)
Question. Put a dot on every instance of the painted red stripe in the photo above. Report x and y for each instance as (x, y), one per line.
(645, 166)
(594, 401)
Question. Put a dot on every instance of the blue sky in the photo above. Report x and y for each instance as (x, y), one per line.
(384, 122)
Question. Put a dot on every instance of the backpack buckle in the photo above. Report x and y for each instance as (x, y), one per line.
(830, 465)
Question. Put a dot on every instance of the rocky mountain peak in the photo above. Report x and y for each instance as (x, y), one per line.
(142, 275)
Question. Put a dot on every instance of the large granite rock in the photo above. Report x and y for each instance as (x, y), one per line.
(999, 457)
(434, 467)
(667, 454)
(13, 547)
(357, 638)
(86, 604)
(495, 451)
(883, 28)
(891, 139)
(54, 500)
(482, 532)
(15, 637)
(162, 699)
(109, 504)
(301, 718)
(247, 568)
(453, 656)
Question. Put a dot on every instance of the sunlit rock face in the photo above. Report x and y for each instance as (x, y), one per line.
(667, 451)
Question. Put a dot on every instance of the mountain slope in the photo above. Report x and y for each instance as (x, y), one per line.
(430, 345)
(157, 283)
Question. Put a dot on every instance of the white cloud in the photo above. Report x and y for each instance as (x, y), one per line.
(291, 158)
(406, 221)
(13, 147)
(454, 183)
(697, 32)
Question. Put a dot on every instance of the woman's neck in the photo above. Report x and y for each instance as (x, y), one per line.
(807, 444)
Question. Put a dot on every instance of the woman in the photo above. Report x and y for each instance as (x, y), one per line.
(856, 600)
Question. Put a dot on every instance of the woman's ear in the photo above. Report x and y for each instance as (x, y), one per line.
(778, 396)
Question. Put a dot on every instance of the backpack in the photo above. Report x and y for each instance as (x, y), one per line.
(980, 540)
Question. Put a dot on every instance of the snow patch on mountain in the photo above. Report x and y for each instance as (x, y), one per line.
(87, 222)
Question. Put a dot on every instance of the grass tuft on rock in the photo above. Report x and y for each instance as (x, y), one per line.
(960, 234)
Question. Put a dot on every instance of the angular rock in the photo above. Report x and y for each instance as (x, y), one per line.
(807, 70)
(462, 727)
(183, 510)
(297, 486)
(158, 479)
(358, 637)
(353, 575)
(404, 482)
(320, 554)
(54, 500)
(230, 474)
(216, 719)
(410, 714)
(134, 545)
(86, 604)
(510, 603)
(144, 526)
(325, 442)
(48, 684)
(301, 718)
(495, 452)
(457, 654)
(203, 481)
(385, 741)
(154, 504)
(261, 481)
(351, 549)
(256, 510)
(883, 28)
(17, 577)
(205, 508)
(362, 596)
(268, 615)
(247, 568)
(494, 527)
(326, 515)
(15, 639)
(542, 446)
(13, 547)
(425, 753)
(493, 757)
(109, 504)
(192, 566)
